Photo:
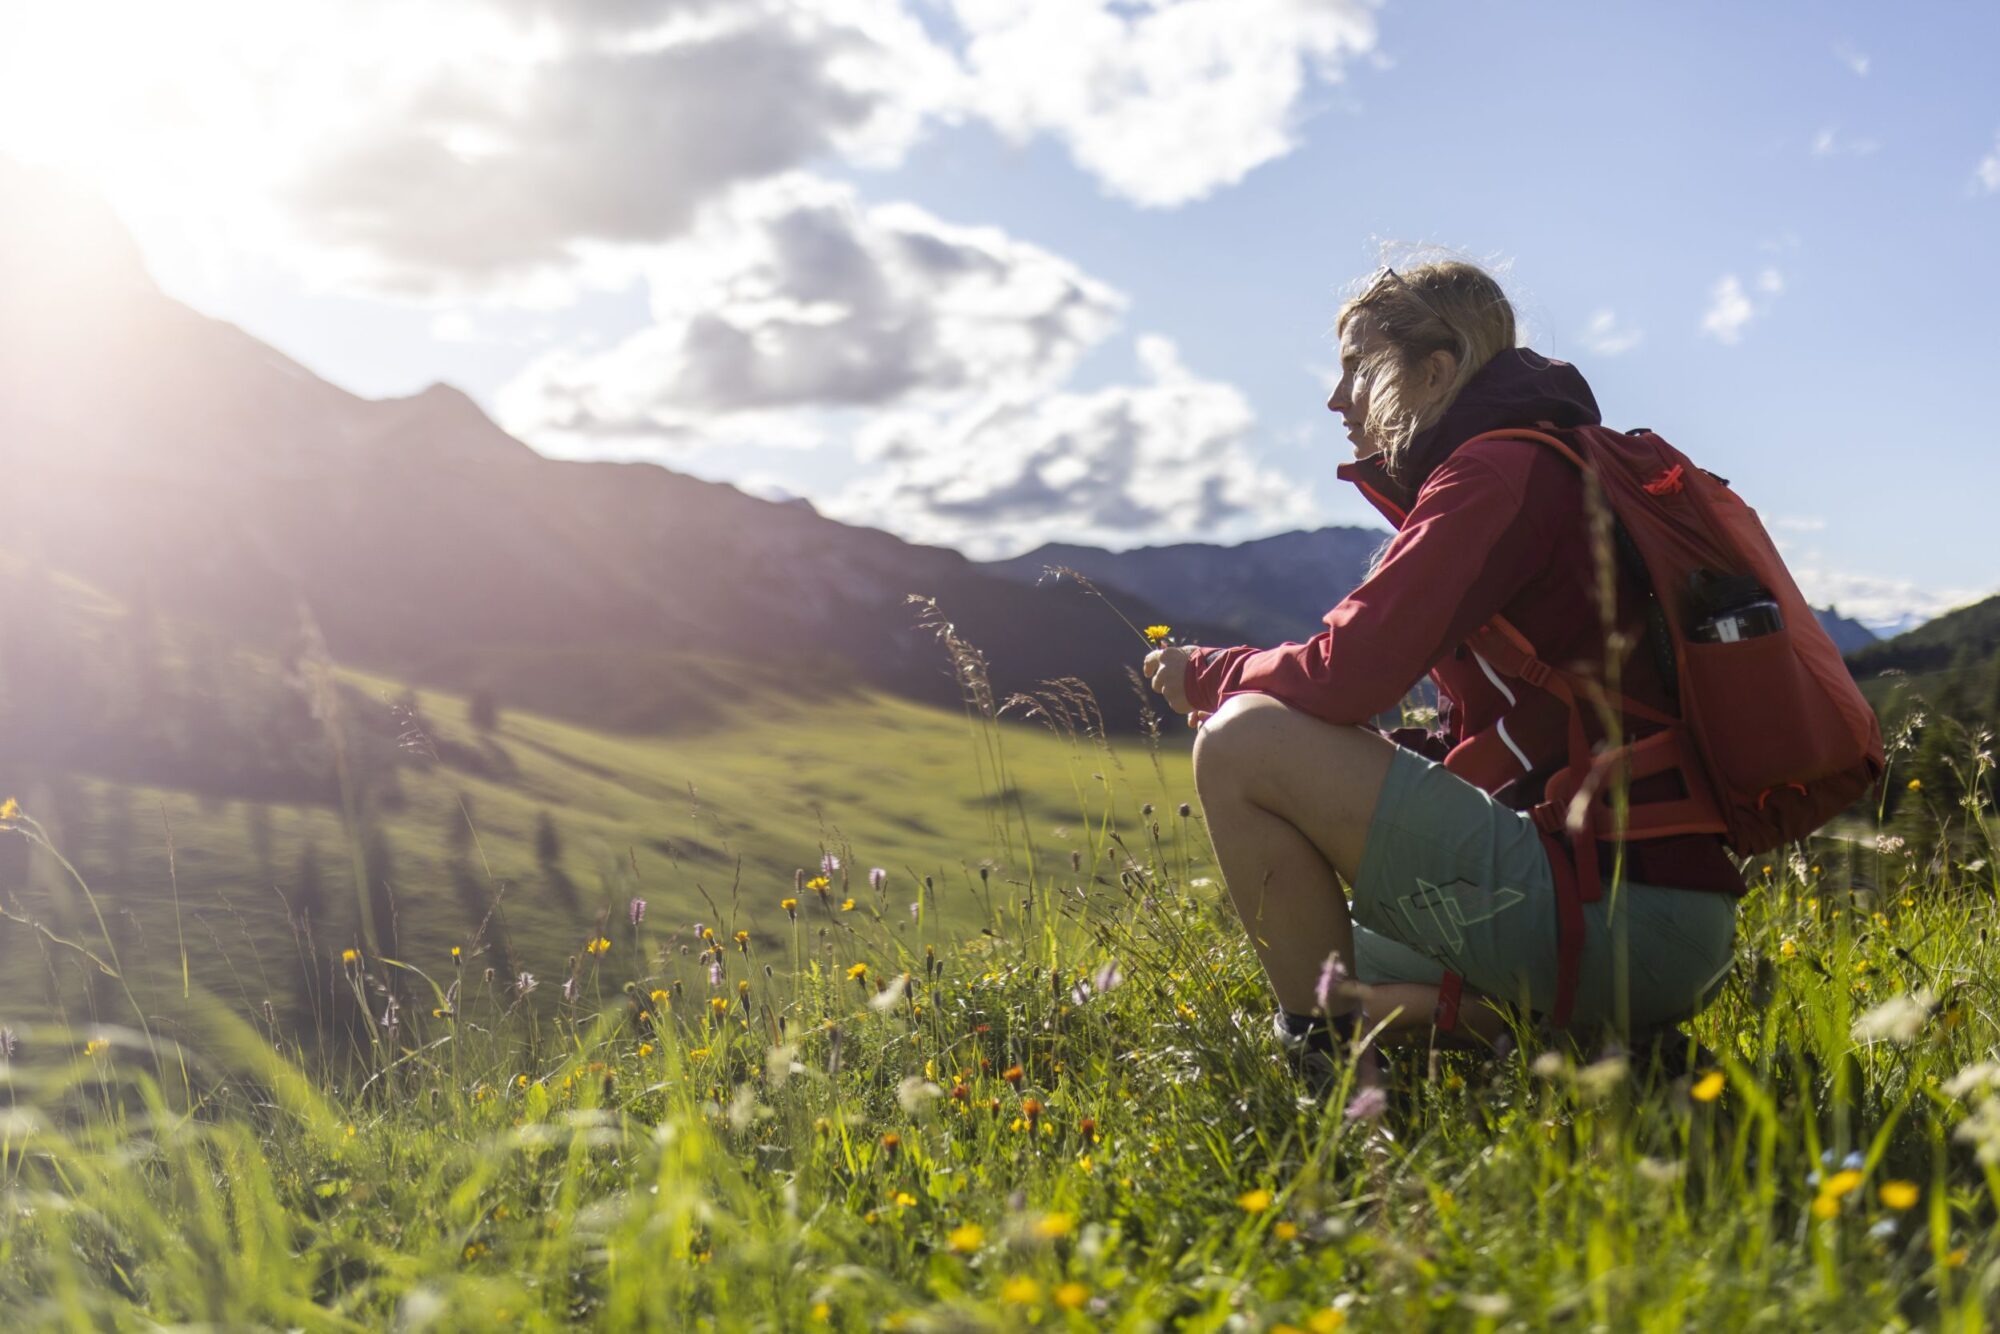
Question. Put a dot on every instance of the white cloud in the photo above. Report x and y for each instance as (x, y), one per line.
(1163, 460)
(1164, 102)
(1799, 523)
(610, 124)
(1847, 54)
(1986, 176)
(792, 297)
(1606, 337)
(1883, 605)
(1731, 308)
(1829, 143)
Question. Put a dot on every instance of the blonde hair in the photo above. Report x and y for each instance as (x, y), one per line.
(1449, 305)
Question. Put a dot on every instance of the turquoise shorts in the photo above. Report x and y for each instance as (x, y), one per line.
(1451, 880)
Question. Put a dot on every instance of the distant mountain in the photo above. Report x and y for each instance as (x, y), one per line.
(1267, 591)
(1970, 633)
(1847, 635)
(177, 463)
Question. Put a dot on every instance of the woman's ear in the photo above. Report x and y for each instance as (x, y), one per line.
(1440, 368)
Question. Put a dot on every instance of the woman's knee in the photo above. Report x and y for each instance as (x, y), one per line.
(1233, 740)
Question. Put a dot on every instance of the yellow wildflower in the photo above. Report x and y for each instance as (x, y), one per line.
(1157, 633)
(1788, 948)
(819, 884)
(719, 1004)
(350, 956)
(520, 1081)
(847, 905)
(1840, 1183)
(791, 907)
(97, 1046)
(1326, 1320)
(1020, 1291)
(1285, 1230)
(1900, 1195)
(645, 1049)
(598, 946)
(966, 1238)
(697, 1053)
(1254, 1201)
(905, 1200)
(456, 953)
(1916, 785)
(10, 809)
(1708, 1088)
(821, 1311)
(858, 972)
(1052, 1226)
(1071, 1296)
(1826, 1206)
(659, 997)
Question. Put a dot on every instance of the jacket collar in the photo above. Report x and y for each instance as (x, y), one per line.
(1518, 387)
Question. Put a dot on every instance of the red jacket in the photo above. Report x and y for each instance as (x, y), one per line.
(1497, 527)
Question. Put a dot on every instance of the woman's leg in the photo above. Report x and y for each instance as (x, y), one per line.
(1288, 800)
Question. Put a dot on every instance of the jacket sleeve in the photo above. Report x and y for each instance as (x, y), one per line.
(1469, 545)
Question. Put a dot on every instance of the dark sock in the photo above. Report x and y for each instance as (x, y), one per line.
(1323, 1032)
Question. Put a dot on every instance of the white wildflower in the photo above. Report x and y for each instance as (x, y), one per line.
(1898, 1019)
(916, 1093)
(1979, 1077)
(889, 997)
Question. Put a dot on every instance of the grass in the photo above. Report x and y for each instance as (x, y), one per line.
(1061, 1111)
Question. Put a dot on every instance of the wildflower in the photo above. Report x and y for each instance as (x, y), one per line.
(1897, 1020)
(891, 1142)
(791, 907)
(1367, 1105)
(1254, 1201)
(636, 911)
(858, 973)
(1109, 977)
(598, 946)
(877, 877)
(819, 884)
(525, 983)
(1071, 1296)
(569, 988)
(1020, 1291)
(1013, 1075)
(698, 1053)
(520, 1081)
(456, 954)
(1841, 1183)
(1157, 634)
(1087, 1129)
(1980, 1077)
(1031, 1108)
(828, 864)
(350, 956)
(10, 809)
(966, 1238)
(1916, 785)
(1050, 1227)
(821, 1311)
(743, 941)
(1788, 948)
(1900, 1195)
(97, 1046)
(659, 997)
(904, 1200)
(645, 1049)
(1326, 1320)
(1284, 1229)
(1331, 974)
(1708, 1088)
(719, 1004)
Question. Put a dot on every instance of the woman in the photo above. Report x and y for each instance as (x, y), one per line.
(1451, 885)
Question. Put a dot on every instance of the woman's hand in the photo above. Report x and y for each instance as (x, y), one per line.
(1166, 670)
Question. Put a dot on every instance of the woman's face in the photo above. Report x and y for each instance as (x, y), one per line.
(1360, 342)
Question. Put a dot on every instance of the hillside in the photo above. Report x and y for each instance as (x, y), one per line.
(178, 464)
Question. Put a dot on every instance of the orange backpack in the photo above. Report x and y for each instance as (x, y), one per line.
(1772, 739)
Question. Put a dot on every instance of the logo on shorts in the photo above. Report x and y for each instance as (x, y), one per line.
(1443, 907)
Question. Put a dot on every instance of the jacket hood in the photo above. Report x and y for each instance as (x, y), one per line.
(1518, 387)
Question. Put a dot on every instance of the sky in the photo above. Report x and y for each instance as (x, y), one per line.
(990, 273)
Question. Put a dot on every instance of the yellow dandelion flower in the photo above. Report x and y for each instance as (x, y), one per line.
(97, 1046)
(719, 1004)
(819, 884)
(1956, 1259)
(847, 905)
(1254, 1201)
(697, 1053)
(905, 1200)
(1071, 1296)
(350, 956)
(1156, 633)
(1285, 1230)
(645, 1049)
(1052, 1226)
(1916, 785)
(742, 937)
(659, 997)
(1326, 1320)
(1788, 948)
(821, 1311)
(858, 972)
(1841, 1183)
(520, 1081)
(598, 946)
(966, 1238)
(1826, 1206)
(10, 809)
(1708, 1088)
(1900, 1195)
(791, 907)
(457, 953)
(1020, 1291)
